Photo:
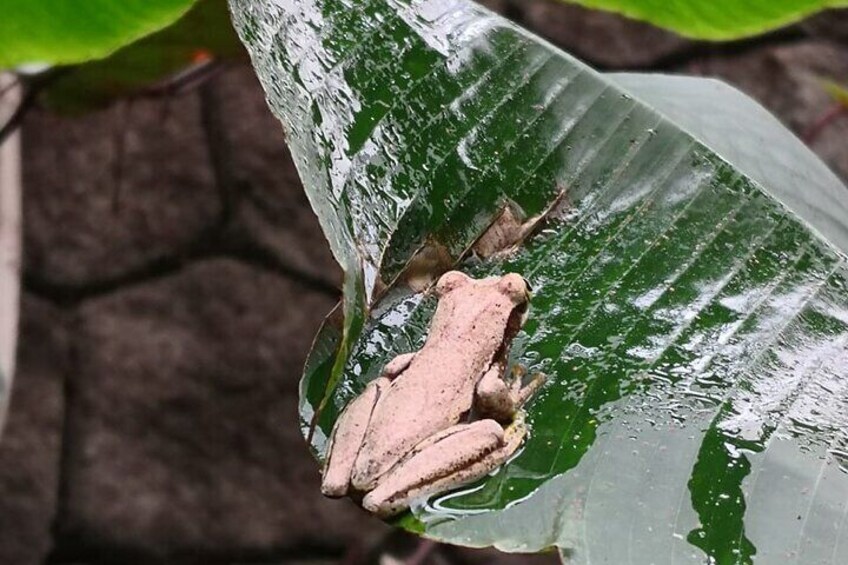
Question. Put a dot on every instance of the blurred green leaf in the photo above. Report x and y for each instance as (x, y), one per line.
(838, 92)
(72, 31)
(205, 32)
(690, 305)
(717, 19)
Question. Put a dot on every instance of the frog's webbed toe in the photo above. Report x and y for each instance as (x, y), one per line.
(461, 454)
(495, 398)
(521, 394)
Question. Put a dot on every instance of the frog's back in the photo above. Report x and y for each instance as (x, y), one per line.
(436, 391)
(415, 407)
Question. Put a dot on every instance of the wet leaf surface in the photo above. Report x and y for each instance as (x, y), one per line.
(689, 304)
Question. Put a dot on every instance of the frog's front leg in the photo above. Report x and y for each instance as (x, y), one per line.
(349, 431)
(398, 365)
(460, 454)
(494, 398)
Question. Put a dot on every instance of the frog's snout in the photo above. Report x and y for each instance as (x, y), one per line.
(516, 287)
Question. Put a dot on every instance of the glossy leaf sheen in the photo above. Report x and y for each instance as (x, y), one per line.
(73, 31)
(689, 309)
(717, 19)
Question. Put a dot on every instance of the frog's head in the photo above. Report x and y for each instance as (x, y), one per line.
(515, 287)
(511, 285)
(493, 304)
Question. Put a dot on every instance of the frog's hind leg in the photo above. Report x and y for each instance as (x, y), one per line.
(458, 455)
(349, 431)
(347, 437)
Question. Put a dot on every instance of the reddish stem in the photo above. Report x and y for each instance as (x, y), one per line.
(831, 115)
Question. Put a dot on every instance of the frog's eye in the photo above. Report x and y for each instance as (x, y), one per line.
(514, 286)
(450, 281)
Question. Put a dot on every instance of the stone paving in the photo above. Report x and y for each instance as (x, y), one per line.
(173, 281)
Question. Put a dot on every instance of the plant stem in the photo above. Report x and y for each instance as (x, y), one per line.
(831, 115)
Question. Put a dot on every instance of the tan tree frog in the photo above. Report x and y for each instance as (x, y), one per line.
(443, 415)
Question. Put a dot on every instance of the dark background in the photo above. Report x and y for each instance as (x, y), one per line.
(174, 277)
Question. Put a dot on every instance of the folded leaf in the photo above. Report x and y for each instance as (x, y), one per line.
(689, 310)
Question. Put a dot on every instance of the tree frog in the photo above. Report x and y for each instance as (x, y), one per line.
(443, 415)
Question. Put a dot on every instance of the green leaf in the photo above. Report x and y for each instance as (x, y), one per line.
(690, 306)
(837, 92)
(718, 19)
(204, 32)
(72, 31)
